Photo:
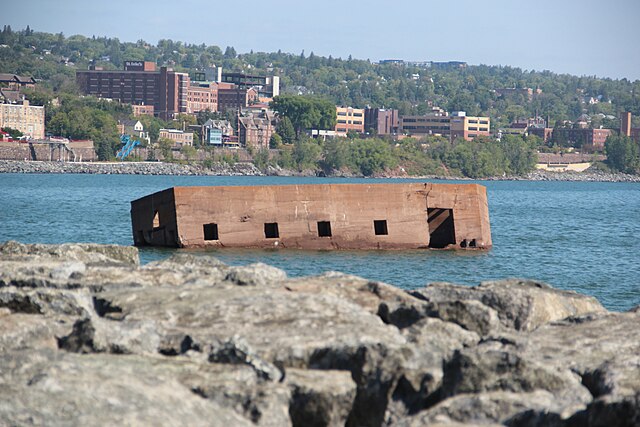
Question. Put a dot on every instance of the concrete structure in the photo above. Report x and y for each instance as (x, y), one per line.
(28, 119)
(179, 138)
(380, 121)
(139, 84)
(349, 119)
(325, 216)
(455, 125)
(49, 150)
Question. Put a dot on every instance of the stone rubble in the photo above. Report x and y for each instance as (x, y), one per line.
(90, 337)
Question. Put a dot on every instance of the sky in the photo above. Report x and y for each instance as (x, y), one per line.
(586, 37)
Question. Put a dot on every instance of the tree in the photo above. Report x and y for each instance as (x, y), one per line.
(285, 129)
(275, 141)
(622, 154)
(14, 133)
(165, 145)
(305, 112)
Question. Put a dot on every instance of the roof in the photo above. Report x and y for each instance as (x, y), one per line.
(129, 122)
(11, 96)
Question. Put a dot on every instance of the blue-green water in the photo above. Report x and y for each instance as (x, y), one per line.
(575, 235)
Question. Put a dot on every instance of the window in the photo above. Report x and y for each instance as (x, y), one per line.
(271, 230)
(210, 231)
(324, 229)
(380, 227)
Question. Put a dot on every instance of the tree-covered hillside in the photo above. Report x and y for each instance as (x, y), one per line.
(53, 59)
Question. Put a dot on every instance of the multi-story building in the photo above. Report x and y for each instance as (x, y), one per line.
(215, 132)
(380, 121)
(255, 130)
(455, 125)
(179, 138)
(233, 97)
(586, 139)
(28, 119)
(526, 92)
(142, 110)
(267, 87)
(202, 96)
(349, 119)
(140, 83)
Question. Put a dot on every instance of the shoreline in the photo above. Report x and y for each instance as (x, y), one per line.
(249, 169)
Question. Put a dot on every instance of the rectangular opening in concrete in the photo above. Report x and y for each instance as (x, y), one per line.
(271, 230)
(441, 228)
(380, 227)
(324, 229)
(210, 231)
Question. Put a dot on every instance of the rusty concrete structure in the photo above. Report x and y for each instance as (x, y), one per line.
(324, 216)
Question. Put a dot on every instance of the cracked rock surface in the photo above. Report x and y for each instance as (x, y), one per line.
(90, 337)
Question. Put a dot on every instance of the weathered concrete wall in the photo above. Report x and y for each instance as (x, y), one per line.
(45, 152)
(240, 215)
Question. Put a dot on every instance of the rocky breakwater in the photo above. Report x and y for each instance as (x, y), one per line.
(90, 337)
(130, 168)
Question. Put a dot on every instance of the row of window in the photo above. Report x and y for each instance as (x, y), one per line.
(355, 122)
(271, 230)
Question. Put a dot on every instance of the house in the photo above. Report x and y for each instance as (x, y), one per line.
(133, 128)
(16, 82)
(28, 119)
(216, 132)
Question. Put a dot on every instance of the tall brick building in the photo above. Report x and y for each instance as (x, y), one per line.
(140, 83)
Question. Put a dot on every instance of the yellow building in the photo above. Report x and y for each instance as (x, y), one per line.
(26, 118)
(178, 137)
(349, 120)
(456, 125)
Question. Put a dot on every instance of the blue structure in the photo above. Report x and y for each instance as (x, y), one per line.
(127, 148)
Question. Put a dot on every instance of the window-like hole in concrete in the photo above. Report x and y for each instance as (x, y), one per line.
(472, 243)
(380, 227)
(441, 228)
(324, 229)
(271, 230)
(463, 244)
(210, 231)
(156, 219)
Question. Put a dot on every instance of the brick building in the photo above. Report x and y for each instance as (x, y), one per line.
(586, 139)
(16, 82)
(28, 119)
(140, 83)
(255, 130)
(380, 121)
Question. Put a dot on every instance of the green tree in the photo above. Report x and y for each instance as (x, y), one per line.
(275, 141)
(305, 112)
(372, 155)
(285, 129)
(622, 154)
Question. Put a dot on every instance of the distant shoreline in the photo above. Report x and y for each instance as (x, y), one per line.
(249, 169)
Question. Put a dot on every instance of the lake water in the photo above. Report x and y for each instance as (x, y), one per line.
(578, 236)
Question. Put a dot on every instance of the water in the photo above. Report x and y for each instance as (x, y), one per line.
(574, 235)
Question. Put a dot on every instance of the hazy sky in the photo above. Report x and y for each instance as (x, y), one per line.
(586, 37)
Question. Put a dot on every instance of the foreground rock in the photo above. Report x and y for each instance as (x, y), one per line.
(88, 337)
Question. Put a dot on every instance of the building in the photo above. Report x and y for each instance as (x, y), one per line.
(235, 98)
(380, 121)
(216, 132)
(349, 119)
(140, 83)
(266, 87)
(448, 66)
(255, 130)
(586, 139)
(202, 96)
(28, 119)
(180, 138)
(142, 110)
(320, 216)
(454, 126)
(133, 128)
(626, 127)
(544, 133)
(16, 82)
(10, 96)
